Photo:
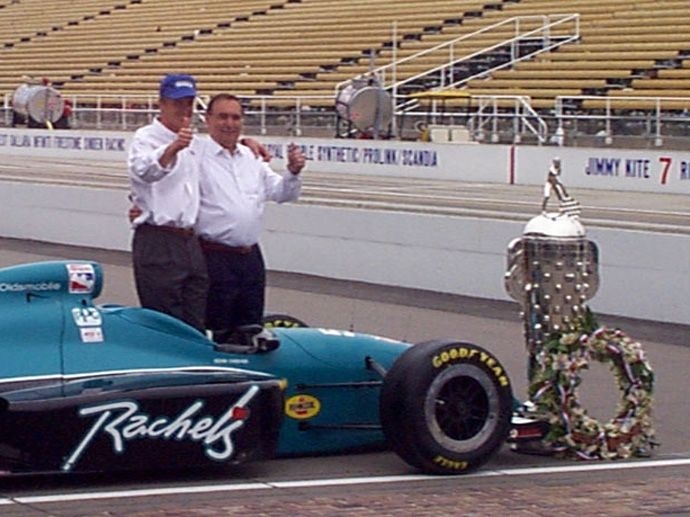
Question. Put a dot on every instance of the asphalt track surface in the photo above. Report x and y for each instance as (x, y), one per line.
(379, 483)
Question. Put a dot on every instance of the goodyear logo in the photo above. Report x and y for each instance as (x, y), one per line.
(449, 464)
(461, 353)
(301, 407)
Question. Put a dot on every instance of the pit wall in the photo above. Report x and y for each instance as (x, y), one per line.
(597, 168)
(643, 274)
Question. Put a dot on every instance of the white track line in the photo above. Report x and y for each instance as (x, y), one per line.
(315, 483)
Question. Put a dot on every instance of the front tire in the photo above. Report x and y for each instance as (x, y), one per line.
(446, 406)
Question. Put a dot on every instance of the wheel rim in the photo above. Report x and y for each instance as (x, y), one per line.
(462, 408)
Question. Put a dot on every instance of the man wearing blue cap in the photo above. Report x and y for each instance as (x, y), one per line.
(169, 267)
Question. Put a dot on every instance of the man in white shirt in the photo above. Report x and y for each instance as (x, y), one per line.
(169, 267)
(234, 188)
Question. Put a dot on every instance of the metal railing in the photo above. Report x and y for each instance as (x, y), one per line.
(518, 46)
(657, 118)
(651, 122)
(491, 110)
(458, 68)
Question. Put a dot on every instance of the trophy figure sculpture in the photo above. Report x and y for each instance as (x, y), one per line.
(552, 268)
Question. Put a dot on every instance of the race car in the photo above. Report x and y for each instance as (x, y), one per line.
(87, 387)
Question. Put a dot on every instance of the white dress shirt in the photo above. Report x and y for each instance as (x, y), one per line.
(234, 190)
(166, 196)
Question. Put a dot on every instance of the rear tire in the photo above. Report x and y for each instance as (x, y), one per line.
(282, 321)
(446, 406)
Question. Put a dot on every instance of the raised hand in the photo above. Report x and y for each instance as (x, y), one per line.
(184, 135)
(296, 159)
(183, 139)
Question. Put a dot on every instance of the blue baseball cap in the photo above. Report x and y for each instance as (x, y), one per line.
(178, 86)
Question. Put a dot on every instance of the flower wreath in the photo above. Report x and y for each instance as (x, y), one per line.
(554, 380)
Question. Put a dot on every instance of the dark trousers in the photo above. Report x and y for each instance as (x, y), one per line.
(170, 273)
(237, 288)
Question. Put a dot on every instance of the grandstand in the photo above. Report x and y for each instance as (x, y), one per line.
(628, 50)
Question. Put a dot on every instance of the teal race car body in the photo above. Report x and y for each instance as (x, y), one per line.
(89, 387)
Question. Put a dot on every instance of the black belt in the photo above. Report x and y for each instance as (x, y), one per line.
(217, 246)
(186, 232)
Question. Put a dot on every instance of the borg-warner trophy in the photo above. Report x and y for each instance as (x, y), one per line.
(552, 268)
(552, 273)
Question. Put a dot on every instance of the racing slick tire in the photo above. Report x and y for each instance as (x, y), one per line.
(446, 406)
(282, 321)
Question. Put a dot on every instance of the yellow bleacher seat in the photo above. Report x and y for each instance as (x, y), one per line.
(93, 47)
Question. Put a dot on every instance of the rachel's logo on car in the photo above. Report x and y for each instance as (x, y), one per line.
(123, 421)
(302, 406)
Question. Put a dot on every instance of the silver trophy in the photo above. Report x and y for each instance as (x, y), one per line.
(552, 268)
(552, 272)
